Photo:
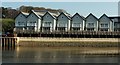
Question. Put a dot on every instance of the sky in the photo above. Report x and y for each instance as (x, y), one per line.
(83, 8)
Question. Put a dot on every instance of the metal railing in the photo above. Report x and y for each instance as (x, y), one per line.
(69, 32)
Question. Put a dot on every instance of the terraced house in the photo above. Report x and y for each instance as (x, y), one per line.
(45, 21)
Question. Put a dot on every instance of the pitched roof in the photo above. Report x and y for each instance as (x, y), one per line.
(92, 15)
(51, 14)
(67, 15)
(106, 16)
(78, 15)
(23, 13)
(36, 14)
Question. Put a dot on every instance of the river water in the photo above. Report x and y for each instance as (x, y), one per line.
(56, 55)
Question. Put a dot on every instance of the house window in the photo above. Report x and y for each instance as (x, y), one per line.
(18, 23)
(102, 25)
(76, 25)
(106, 25)
(47, 24)
(47, 16)
(91, 24)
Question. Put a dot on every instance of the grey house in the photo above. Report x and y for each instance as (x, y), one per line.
(116, 23)
(105, 23)
(20, 22)
(63, 22)
(91, 23)
(77, 23)
(49, 22)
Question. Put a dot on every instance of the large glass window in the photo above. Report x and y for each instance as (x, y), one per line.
(90, 25)
(47, 24)
(76, 25)
(20, 23)
(31, 23)
(104, 25)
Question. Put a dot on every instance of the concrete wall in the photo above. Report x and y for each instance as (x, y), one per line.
(69, 42)
(47, 39)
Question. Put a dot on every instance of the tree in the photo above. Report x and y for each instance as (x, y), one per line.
(7, 25)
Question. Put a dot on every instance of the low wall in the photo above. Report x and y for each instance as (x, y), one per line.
(74, 42)
(47, 39)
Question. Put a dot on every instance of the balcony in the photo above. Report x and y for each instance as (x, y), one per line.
(61, 25)
(90, 26)
(76, 25)
(47, 25)
(20, 25)
(33, 24)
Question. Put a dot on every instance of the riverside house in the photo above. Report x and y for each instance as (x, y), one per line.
(91, 23)
(21, 22)
(77, 23)
(33, 22)
(45, 21)
(116, 23)
(63, 22)
(105, 23)
(49, 22)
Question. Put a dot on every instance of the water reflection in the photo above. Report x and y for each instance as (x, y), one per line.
(55, 55)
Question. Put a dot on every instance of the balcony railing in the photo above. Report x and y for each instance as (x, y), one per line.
(33, 24)
(69, 32)
(90, 26)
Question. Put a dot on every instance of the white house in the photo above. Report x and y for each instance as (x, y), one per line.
(63, 22)
(38, 21)
(77, 23)
(91, 23)
(33, 21)
(49, 22)
(105, 23)
(116, 23)
(20, 22)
